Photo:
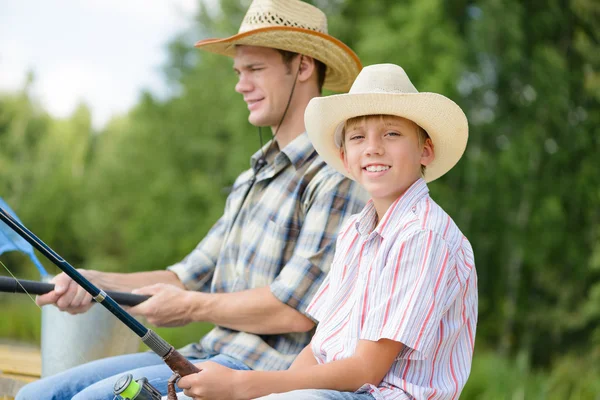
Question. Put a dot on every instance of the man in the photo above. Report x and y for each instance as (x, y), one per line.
(257, 269)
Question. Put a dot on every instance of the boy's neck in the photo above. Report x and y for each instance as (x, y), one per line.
(383, 204)
(381, 208)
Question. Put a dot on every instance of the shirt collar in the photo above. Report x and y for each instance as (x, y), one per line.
(295, 153)
(365, 224)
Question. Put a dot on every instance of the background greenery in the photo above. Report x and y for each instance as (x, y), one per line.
(140, 194)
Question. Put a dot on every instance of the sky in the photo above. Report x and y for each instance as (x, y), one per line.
(102, 52)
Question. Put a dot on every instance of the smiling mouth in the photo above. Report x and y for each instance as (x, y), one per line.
(376, 168)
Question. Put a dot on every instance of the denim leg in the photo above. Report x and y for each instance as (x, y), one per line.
(157, 375)
(65, 385)
(318, 394)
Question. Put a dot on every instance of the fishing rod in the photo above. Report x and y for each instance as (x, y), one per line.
(12, 285)
(180, 365)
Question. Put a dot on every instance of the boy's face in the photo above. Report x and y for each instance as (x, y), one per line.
(384, 155)
(264, 81)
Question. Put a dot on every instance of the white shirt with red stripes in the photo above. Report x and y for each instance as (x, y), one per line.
(411, 279)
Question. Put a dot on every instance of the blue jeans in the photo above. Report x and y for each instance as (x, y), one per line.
(95, 380)
(307, 394)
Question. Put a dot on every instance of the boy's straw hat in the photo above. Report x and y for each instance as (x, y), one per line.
(294, 26)
(386, 89)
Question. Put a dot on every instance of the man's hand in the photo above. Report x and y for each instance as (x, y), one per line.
(67, 294)
(214, 382)
(169, 305)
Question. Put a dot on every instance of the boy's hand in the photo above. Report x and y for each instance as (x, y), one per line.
(168, 306)
(214, 382)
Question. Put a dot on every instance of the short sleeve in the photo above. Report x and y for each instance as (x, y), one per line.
(412, 294)
(196, 269)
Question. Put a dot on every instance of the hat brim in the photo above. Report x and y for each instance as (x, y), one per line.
(343, 65)
(442, 118)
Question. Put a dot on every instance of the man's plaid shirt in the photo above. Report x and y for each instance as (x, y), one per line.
(283, 237)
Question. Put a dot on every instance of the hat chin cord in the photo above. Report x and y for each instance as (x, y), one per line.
(262, 161)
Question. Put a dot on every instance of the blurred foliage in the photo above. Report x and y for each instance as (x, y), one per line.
(141, 193)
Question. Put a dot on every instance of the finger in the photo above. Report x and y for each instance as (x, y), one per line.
(61, 282)
(79, 298)
(48, 298)
(64, 302)
(148, 290)
(81, 309)
(141, 310)
(183, 383)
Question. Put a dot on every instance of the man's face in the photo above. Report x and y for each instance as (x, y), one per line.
(384, 155)
(264, 81)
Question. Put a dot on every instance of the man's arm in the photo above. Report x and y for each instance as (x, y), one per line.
(254, 311)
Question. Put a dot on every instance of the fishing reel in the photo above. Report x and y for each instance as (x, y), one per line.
(127, 389)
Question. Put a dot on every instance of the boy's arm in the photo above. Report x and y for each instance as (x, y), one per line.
(369, 364)
(304, 360)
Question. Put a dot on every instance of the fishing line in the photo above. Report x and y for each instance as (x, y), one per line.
(19, 283)
(78, 353)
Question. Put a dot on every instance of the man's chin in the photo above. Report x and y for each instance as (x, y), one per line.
(257, 121)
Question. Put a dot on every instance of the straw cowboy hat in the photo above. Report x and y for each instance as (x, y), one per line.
(294, 26)
(386, 89)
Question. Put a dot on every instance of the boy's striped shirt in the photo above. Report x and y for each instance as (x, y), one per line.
(411, 279)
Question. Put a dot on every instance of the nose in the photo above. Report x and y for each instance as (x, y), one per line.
(374, 145)
(243, 84)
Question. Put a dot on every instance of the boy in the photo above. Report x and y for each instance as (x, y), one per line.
(397, 312)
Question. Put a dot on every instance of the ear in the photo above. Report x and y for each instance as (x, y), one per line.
(307, 68)
(428, 153)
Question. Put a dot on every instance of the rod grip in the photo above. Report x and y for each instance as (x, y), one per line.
(12, 285)
(179, 364)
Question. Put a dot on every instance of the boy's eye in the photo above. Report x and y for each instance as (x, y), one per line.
(354, 137)
(392, 133)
